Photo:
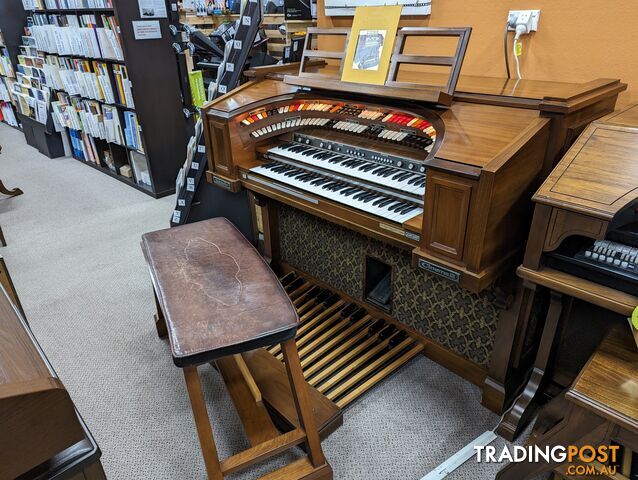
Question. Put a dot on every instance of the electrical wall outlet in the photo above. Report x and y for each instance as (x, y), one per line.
(526, 17)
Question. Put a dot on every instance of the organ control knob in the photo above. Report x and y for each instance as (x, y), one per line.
(410, 166)
(399, 163)
(329, 147)
(321, 145)
(307, 141)
(422, 169)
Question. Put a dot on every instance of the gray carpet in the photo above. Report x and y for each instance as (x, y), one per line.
(76, 262)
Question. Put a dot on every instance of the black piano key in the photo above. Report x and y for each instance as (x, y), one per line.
(407, 209)
(379, 170)
(386, 202)
(378, 202)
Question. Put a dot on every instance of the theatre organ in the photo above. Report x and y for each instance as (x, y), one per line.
(410, 200)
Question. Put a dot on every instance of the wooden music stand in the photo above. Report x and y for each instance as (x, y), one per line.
(439, 93)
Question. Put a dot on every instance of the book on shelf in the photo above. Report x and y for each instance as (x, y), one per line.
(77, 35)
(67, 4)
(6, 86)
(198, 92)
(6, 67)
(83, 147)
(124, 87)
(133, 131)
(141, 173)
(6, 110)
(114, 133)
(33, 4)
(105, 87)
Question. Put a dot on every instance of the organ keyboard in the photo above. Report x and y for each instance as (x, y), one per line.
(443, 173)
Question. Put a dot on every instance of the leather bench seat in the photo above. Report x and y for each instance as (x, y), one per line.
(217, 294)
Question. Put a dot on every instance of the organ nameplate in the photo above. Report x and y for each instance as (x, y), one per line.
(440, 271)
(222, 183)
(412, 236)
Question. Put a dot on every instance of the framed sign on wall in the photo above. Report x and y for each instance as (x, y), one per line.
(346, 8)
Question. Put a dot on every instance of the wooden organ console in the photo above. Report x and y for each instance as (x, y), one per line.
(410, 200)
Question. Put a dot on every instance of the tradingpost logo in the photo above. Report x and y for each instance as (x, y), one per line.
(585, 460)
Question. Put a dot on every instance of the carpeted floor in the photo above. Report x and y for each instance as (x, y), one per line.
(76, 262)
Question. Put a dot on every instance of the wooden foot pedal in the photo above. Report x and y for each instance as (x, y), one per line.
(344, 349)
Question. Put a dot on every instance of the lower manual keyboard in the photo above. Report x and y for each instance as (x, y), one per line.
(347, 192)
(409, 182)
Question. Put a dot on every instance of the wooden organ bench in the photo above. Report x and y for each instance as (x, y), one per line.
(220, 301)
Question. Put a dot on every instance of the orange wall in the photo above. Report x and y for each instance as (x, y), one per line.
(576, 40)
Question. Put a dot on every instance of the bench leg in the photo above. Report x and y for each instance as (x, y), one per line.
(160, 323)
(302, 403)
(202, 423)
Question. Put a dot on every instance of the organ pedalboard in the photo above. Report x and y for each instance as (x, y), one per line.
(345, 349)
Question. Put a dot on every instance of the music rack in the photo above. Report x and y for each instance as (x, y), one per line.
(439, 93)
(153, 73)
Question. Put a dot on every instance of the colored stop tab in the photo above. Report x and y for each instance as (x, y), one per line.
(634, 318)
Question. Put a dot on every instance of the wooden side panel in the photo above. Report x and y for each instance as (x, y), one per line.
(447, 206)
(564, 224)
(35, 427)
(220, 142)
(509, 209)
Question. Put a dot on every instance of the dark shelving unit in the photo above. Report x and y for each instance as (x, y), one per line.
(13, 18)
(152, 70)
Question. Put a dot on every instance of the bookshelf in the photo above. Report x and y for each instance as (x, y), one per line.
(117, 97)
(12, 21)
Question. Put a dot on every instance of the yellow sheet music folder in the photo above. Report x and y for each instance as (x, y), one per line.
(374, 31)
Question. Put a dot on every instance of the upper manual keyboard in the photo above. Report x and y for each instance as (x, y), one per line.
(358, 167)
